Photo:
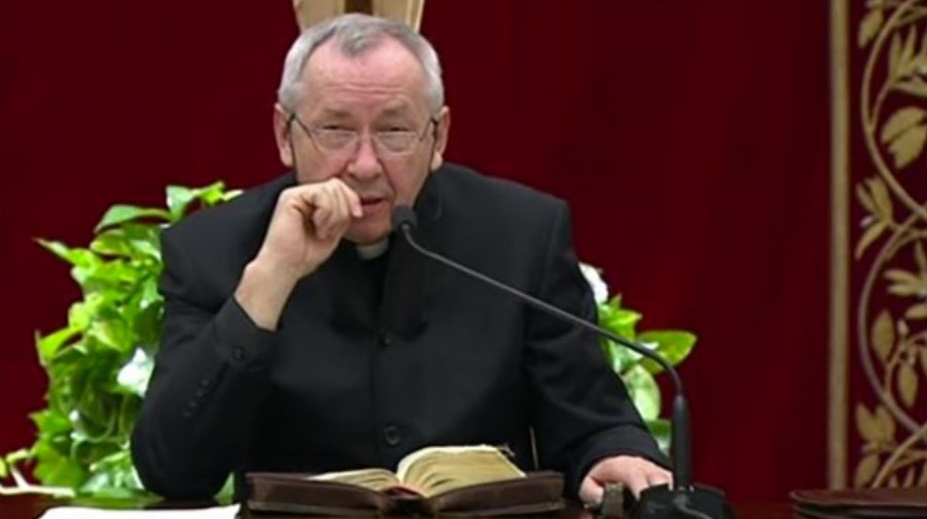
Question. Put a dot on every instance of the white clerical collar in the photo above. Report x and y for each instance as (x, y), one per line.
(374, 250)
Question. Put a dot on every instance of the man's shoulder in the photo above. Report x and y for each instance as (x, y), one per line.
(468, 186)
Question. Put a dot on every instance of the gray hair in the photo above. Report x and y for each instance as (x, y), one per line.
(356, 34)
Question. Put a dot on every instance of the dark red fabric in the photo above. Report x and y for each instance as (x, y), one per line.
(691, 138)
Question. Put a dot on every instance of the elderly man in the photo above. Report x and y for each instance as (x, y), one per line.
(300, 336)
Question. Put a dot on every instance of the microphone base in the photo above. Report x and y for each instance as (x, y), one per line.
(661, 502)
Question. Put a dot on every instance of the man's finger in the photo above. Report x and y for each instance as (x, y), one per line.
(353, 202)
(659, 477)
(590, 491)
(637, 481)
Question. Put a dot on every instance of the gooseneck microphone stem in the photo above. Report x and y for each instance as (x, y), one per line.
(682, 477)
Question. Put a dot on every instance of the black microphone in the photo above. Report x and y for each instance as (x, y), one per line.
(657, 502)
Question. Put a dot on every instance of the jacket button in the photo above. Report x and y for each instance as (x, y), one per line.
(385, 338)
(204, 382)
(391, 435)
(238, 354)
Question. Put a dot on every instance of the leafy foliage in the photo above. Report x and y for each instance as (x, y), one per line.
(99, 363)
(635, 370)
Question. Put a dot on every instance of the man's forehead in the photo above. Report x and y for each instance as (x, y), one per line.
(387, 62)
(394, 108)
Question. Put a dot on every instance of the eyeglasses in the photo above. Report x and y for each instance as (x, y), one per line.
(336, 141)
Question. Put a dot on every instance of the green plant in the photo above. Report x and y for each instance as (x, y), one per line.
(635, 370)
(98, 365)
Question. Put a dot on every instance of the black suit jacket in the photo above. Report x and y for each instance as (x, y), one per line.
(346, 382)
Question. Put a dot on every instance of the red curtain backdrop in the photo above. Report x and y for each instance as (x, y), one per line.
(690, 137)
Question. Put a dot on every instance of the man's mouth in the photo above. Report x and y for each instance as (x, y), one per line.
(371, 203)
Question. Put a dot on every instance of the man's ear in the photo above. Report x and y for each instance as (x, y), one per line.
(443, 127)
(282, 135)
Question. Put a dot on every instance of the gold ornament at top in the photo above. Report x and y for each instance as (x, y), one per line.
(310, 12)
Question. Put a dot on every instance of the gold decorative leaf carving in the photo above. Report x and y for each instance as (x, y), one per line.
(907, 384)
(905, 135)
(869, 27)
(866, 470)
(877, 428)
(886, 425)
(915, 312)
(907, 147)
(883, 335)
(914, 86)
(902, 59)
(865, 199)
(892, 303)
(872, 234)
(901, 120)
(906, 283)
(883, 201)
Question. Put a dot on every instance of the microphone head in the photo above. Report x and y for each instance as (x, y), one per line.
(404, 218)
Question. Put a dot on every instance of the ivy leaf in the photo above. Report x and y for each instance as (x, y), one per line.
(120, 213)
(662, 431)
(75, 256)
(644, 391)
(179, 198)
(55, 469)
(622, 358)
(51, 422)
(48, 346)
(618, 320)
(672, 345)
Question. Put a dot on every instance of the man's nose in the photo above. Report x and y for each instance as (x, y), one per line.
(366, 163)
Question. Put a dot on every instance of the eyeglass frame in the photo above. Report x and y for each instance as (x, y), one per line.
(377, 145)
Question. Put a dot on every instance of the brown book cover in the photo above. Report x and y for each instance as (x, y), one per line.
(475, 480)
(862, 503)
(278, 494)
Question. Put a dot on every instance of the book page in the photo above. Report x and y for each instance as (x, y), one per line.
(434, 470)
(374, 479)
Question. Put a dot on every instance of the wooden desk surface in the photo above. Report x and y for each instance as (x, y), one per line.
(30, 507)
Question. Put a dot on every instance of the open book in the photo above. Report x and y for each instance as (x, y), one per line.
(475, 480)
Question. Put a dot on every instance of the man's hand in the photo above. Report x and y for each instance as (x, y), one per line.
(306, 227)
(635, 473)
